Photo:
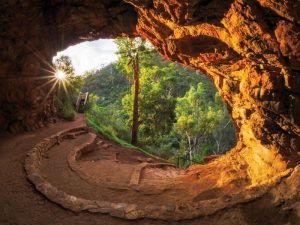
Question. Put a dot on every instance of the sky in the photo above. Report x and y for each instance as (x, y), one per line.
(91, 55)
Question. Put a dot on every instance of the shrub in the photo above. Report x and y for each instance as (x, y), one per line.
(68, 112)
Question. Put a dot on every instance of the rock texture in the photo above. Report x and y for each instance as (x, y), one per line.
(251, 51)
(170, 191)
(31, 34)
(249, 48)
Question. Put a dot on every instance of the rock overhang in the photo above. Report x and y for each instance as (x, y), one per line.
(250, 49)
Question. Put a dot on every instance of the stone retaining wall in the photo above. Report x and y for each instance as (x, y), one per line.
(170, 211)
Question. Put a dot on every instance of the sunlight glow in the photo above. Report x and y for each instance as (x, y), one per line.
(60, 75)
(90, 55)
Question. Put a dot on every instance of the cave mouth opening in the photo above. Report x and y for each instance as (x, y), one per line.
(228, 176)
(251, 64)
(182, 118)
(150, 187)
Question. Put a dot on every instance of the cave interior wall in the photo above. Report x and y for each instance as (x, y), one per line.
(250, 49)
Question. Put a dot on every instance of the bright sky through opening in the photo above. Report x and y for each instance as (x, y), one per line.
(60, 75)
(91, 55)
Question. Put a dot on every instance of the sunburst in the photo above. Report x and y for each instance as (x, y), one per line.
(60, 75)
(58, 80)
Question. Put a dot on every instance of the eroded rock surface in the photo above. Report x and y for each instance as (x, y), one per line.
(250, 49)
(31, 34)
(75, 169)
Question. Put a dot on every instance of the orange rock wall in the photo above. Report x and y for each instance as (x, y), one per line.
(250, 49)
(31, 34)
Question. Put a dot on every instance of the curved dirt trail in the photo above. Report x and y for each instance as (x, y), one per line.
(21, 204)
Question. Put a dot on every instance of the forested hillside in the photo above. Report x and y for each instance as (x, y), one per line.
(180, 115)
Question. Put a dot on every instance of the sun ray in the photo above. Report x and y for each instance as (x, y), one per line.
(52, 70)
(60, 75)
(48, 82)
(49, 92)
(27, 78)
(39, 56)
(65, 89)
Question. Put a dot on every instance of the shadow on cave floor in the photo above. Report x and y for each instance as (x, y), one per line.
(111, 173)
(105, 173)
(117, 174)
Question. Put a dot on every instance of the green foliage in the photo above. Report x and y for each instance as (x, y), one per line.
(109, 132)
(195, 114)
(68, 89)
(200, 117)
(64, 64)
(108, 84)
(68, 112)
(181, 116)
(101, 115)
(159, 87)
(129, 50)
(65, 108)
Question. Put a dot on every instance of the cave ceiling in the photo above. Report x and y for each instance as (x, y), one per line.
(250, 50)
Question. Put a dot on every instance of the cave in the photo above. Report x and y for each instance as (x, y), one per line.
(249, 49)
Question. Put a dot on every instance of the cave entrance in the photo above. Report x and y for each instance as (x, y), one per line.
(181, 116)
(248, 48)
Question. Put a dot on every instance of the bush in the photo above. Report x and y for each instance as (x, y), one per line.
(68, 112)
(104, 118)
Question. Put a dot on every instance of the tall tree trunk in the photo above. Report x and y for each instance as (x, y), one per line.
(135, 115)
(190, 148)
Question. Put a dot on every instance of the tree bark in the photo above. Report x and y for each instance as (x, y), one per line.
(190, 148)
(135, 115)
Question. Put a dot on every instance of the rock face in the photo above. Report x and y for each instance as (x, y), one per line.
(31, 34)
(250, 49)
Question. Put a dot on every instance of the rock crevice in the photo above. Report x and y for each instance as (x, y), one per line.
(250, 49)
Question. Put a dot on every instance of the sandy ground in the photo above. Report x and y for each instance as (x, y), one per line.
(21, 204)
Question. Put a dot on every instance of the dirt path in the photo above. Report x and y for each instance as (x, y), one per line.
(21, 204)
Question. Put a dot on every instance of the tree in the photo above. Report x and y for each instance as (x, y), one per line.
(162, 86)
(129, 52)
(224, 134)
(161, 82)
(108, 83)
(197, 118)
(64, 63)
(68, 88)
(156, 108)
